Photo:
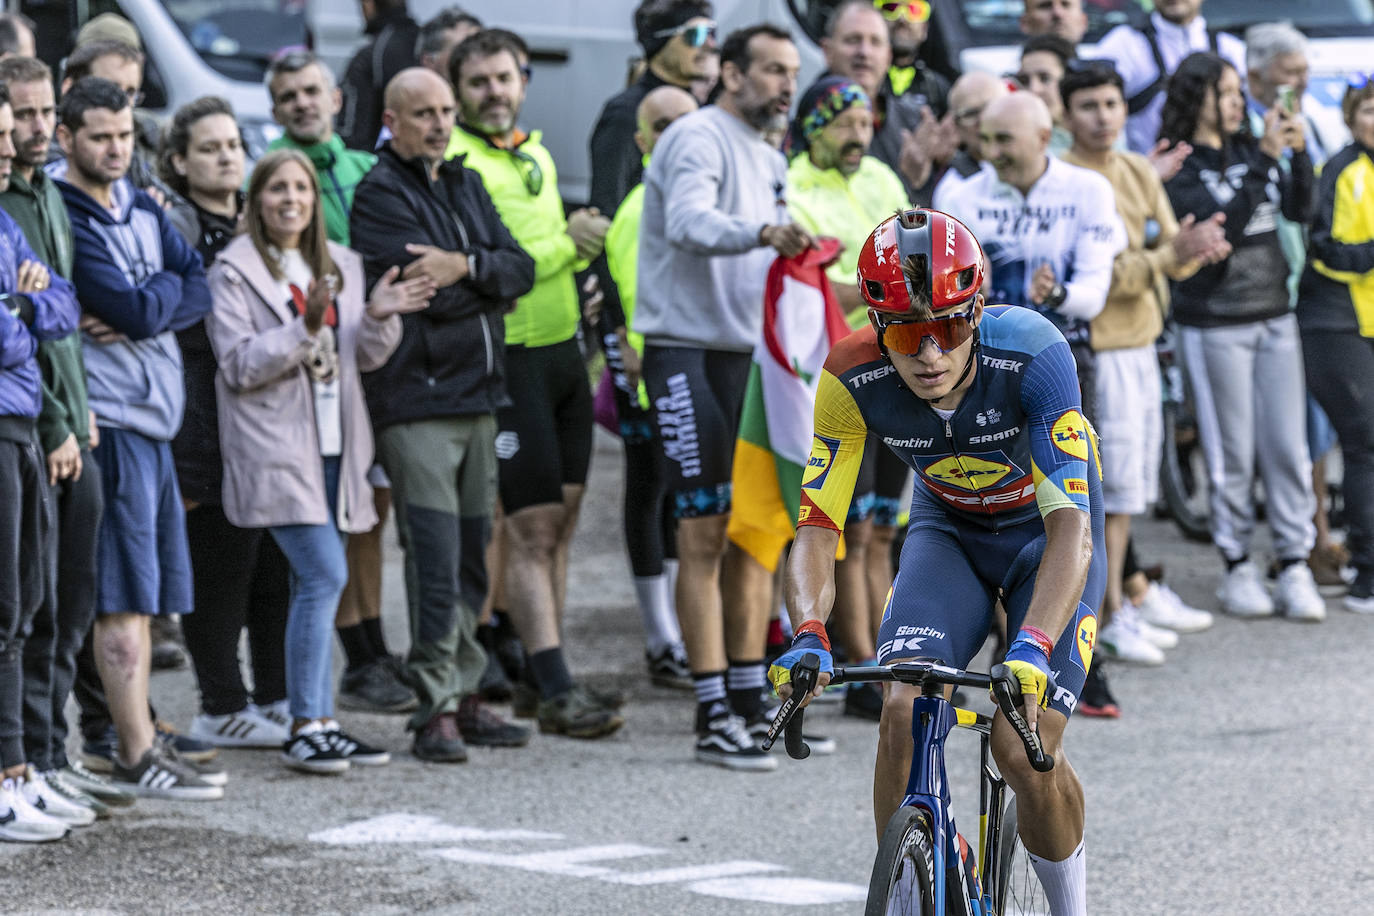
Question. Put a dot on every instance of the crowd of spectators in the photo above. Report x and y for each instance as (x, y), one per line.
(218, 379)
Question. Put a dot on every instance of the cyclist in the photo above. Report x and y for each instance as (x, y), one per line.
(983, 403)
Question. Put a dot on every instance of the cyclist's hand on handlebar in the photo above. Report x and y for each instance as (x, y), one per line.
(1028, 657)
(811, 637)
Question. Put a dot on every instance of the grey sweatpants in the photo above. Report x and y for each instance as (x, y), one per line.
(1251, 404)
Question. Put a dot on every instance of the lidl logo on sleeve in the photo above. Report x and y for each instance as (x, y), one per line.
(1070, 435)
(1087, 639)
(1076, 485)
(968, 472)
(1094, 438)
(823, 451)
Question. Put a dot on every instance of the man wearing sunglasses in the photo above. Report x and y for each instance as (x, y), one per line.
(545, 440)
(678, 38)
(908, 24)
(983, 404)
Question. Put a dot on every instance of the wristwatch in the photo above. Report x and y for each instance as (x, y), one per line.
(1056, 296)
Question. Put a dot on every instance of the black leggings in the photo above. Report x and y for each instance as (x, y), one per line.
(64, 619)
(650, 533)
(241, 579)
(1340, 375)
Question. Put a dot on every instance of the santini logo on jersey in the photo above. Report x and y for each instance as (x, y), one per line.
(908, 443)
(872, 375)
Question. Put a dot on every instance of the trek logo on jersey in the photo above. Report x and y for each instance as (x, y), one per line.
(1071, 435)
(1086, 639)
(872, 375)
(996, 362)
(968, 472)
(823, 451)
(1076, 485)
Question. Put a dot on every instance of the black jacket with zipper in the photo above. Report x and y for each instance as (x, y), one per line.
(451, 360)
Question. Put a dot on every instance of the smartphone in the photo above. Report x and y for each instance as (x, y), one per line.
(1287, 99)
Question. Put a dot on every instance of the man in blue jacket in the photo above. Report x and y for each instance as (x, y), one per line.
(35, 304)
(141, 283)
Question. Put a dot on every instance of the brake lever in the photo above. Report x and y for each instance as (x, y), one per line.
(788, 721)
(1006, 690)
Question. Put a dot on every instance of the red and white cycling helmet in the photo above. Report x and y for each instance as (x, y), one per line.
(953, 263)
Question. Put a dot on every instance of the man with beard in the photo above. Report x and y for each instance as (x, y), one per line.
(66, 434)
(432, 404)
(713, 221)
(908, 24)
(907, 134)
(545, 441)
(836, 189)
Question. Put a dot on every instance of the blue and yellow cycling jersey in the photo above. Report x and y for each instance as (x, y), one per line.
(1017, 444)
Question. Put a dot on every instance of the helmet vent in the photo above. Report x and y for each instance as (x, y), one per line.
(965, 278)
(875, 290)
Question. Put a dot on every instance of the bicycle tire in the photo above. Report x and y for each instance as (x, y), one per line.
(902, 871)
(1018, 889)
(1186, 507)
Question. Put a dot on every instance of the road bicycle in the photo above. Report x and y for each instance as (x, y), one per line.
(924, 865)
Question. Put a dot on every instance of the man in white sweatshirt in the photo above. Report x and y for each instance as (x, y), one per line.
(714, 219)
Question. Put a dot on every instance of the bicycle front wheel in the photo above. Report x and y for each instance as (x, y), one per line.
(901, 883)
(1018, 889)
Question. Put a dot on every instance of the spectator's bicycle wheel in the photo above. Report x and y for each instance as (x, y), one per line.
(1018, 889)
(901, 882)
(1183, 482)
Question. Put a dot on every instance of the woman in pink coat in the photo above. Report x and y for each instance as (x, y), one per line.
(291, 332)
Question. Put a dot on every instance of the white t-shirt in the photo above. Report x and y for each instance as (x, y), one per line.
(323, 362)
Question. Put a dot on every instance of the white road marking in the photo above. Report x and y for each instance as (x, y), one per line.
(790, 891)
(566, 862)
(417, 828)
(691, 873)
(734, 880)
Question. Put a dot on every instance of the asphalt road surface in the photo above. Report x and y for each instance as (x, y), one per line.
(1237, 781)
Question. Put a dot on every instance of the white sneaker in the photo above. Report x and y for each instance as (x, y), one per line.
(1297, 594)
(1159, 636)
(246, 728)
(1122, 640)
(45, 798)
(1242, 593)
(20, 822)
(1162, 607)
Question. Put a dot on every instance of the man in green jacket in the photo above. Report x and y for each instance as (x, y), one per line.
(305, 100)
(545, 440)
(65, 432)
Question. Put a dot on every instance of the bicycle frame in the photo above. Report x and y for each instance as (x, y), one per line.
(933, 718)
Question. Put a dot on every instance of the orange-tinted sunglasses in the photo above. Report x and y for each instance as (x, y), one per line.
(947, 332)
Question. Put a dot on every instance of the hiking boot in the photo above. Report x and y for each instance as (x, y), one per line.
(480, 726)
(577, 714)
(439, 741)
(374, 687)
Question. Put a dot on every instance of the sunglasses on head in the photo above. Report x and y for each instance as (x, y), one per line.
(530, 172)
(694, 35)
(910, 10)
(947, 332)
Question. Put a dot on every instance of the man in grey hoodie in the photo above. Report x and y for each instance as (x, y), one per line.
(714, 219)
(141, 282)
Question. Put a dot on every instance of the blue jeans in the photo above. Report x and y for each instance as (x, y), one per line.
(319, 572)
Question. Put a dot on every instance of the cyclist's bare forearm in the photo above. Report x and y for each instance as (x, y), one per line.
(810, 584)
(1063, 571)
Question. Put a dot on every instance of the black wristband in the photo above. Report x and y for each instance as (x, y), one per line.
(18, 305)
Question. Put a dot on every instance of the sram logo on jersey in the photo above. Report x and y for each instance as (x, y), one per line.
(968, 472)
(1071, 435)
(994, 437)
(823, 451)
(872, 375)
